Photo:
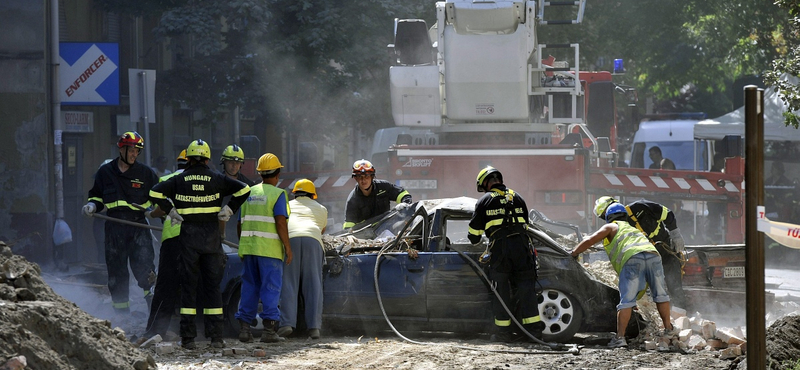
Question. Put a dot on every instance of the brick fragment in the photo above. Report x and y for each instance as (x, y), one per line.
(696, 342)
(727, 335)
(685, 334)
(164, 348)
(259, 353)
(709, 329)
(730, 352)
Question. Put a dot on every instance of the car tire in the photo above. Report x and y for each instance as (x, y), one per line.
(561, 314)
(231, 324)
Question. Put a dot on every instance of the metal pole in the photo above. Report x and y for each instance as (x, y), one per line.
(144, 118)
(754, 240)
(55, 98)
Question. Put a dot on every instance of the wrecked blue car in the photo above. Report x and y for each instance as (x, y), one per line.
(429, 281)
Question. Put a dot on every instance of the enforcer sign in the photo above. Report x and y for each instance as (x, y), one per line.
(89, 73)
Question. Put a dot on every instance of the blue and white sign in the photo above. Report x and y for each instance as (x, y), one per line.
(89, 73)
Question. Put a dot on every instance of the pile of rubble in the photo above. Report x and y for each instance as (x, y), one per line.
(41, 330)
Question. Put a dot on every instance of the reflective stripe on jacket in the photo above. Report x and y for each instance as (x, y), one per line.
(491, 216)
(118, 191)
(627, 242)
(169, 230)
(259, 231)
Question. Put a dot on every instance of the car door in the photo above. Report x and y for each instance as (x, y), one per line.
(456, 295)
(401, 279)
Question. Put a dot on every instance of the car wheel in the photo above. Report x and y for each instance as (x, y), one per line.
(231, 324)
(561, 314)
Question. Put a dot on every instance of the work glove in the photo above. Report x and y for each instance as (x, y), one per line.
(89, 209)
(225, 214)
(401, 206)
(676, 240)
(175, 217)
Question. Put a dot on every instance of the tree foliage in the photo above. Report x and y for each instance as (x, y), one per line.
(672, 48)
(309, 66)
(788, 63)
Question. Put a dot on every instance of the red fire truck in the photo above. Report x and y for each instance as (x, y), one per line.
(478, 89)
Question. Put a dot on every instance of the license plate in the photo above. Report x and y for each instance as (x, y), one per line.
(733, 272)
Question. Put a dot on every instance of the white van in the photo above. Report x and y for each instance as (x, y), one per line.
(676, 140)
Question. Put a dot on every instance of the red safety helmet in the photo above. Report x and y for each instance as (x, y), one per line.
(131, 138)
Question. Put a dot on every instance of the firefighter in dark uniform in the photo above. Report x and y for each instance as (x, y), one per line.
(371, 197)
(167, 288)
(503, 215)
(659, 224)
(122, 186)
(231, 162)
(197, 194)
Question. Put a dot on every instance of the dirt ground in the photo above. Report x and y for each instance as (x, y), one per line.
(44, 318)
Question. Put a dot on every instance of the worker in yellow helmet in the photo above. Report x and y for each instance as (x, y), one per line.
(263, 247)
(306, 226)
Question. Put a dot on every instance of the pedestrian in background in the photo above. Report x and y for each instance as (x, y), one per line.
(263, 246)
(122, 186)
(197, 195)
(306, 226)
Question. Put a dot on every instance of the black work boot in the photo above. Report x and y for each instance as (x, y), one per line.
(245, 336)
(188, 343)
(269, 335)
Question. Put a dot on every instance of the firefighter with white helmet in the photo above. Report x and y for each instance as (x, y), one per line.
(263, 247)
(636, 261)
(231, 161)
(371, 196)
(122, 186)
(197, 194)
(659, 224)
(308, 222)
(503, 216)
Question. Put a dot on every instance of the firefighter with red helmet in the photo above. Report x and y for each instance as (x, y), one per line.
(371, 197)
(197, 195)
(122, 186)
(503, 216)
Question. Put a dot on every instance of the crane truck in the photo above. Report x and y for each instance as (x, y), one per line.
(477, 88)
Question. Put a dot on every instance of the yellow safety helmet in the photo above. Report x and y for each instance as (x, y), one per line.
(363, 166)
(199, 148)
(268, 164)
(484, 174)
(601, 204)
(305, 186)
(232, 153)
(182, 156)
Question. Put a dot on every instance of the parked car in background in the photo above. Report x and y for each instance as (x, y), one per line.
(436, 288)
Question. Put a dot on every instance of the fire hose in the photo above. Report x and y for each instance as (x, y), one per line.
(148, 226)
(557, 348)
